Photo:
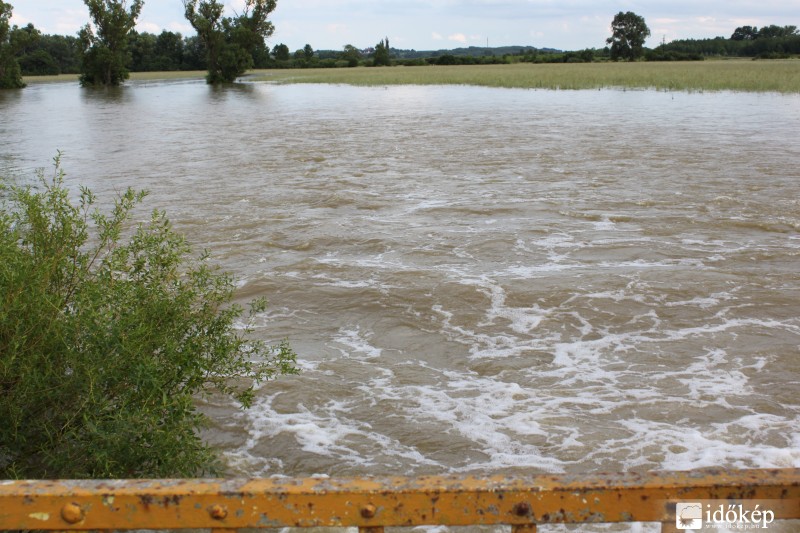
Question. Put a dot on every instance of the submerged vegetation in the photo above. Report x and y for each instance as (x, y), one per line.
(724, 75)
(735, 75)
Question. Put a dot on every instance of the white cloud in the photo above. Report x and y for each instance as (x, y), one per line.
(567, 24)
(149, 27)
(336, 28)
(184, 28)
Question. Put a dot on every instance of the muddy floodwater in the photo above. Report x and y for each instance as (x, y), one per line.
(476, 280)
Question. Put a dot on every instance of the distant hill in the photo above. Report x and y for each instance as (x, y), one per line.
(470, 51)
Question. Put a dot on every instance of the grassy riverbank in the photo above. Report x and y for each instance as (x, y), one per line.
(736, 75)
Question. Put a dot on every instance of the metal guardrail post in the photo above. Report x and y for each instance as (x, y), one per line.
(522, 502)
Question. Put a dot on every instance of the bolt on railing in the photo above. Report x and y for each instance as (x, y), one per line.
(522, 502)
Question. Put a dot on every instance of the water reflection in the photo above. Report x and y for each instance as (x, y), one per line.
(108, 95)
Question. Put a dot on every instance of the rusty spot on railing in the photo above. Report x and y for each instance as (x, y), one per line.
(218, 512)
(371, 504)
(72, 513)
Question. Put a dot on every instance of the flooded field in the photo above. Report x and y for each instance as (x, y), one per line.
(476, 280)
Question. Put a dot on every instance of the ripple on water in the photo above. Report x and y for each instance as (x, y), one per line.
(475, 279)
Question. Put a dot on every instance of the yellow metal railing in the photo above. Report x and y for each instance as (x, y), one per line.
(370, 504)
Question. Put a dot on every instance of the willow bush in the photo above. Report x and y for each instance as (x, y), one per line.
(108, 332)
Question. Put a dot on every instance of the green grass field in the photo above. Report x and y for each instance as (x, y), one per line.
(735, 75)
(731, 75)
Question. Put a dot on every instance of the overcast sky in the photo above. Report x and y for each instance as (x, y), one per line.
(444, 24)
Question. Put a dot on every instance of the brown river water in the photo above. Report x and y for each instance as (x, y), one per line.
(476, 280)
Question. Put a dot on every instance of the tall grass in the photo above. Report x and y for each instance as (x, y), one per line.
(735, 75)
(731, 75)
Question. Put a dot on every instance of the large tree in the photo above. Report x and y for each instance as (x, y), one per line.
(381, 56)
(351, 54)
(10, 75)
(745, 33)
(105, 49)
(629, 32)
(281, 52)
(230, 41)
(776, 31)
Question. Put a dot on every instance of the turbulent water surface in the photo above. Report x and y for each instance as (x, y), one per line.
(476, 280)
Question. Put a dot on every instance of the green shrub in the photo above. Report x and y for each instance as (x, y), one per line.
(108, 332)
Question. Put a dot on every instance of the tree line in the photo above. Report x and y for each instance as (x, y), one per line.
(769, 42)
(108, 47)
(106, 50)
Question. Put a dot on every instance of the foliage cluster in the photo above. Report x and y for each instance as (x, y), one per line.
(104, 49)
(751, 33)
(763, 47)
(45, 55)
(628, 33)
(531, 56)
(58, 54)
(230, 41)
(167, 51)
(10, 73)
(381, 55)
(107, 334)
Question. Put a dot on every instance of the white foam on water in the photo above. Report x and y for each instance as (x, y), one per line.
(594, 378)
(558, 240)
(727, 324)
(327, 431)
(514, 426)
(532, 271)
(356, 343)
(386, 261)
(702, 302)
(590, 341)
(422, 205)
(605, 224)
(715, 370)
(487, 412)
(346, 284)
(522, 320)
(715, 446)
(642, 264)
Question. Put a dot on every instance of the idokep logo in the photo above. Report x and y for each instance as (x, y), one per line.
(689, 516)
(724, 514)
